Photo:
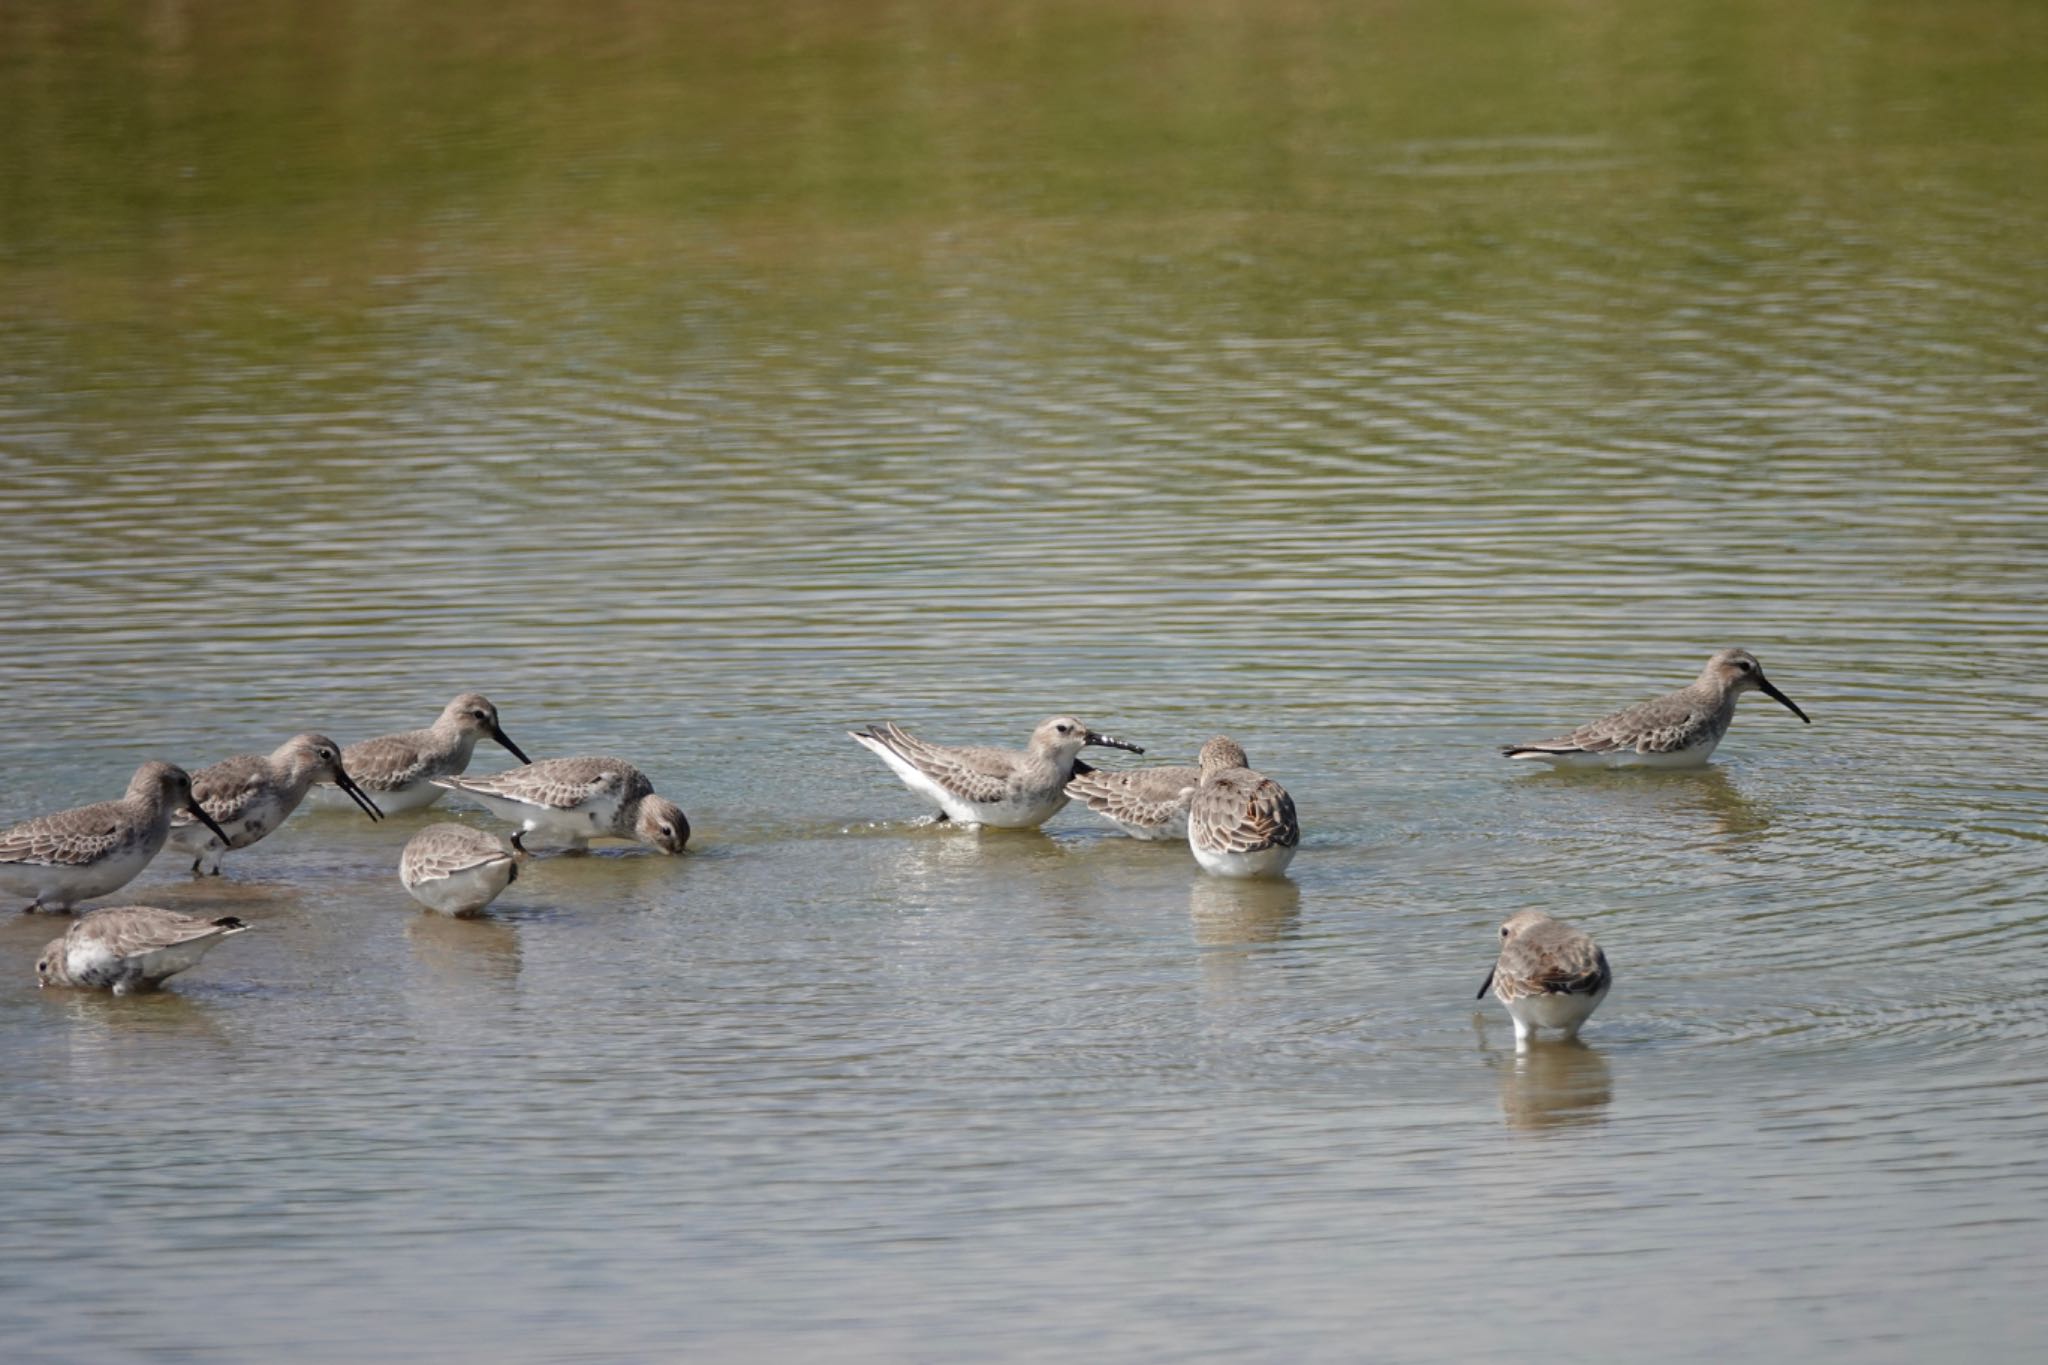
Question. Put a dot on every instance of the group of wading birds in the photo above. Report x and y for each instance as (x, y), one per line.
(1237, 822)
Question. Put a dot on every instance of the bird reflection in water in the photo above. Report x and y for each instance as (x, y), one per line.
(1697, 806)
(480, 951)
(1240, 912)
(1712, 801)
(1553, 1083)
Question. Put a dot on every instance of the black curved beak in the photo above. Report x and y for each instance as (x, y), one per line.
(356, 794)
(1485, 986)
(207, 820)
(1764, 685)
(1110, 742)
(514, 749)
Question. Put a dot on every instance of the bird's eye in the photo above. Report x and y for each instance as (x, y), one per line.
(1066, 729)
(1746, 666)
(1503, 931)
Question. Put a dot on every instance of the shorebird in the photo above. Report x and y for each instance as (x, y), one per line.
(250, 795)
(457, 869)
(1549, 975)
(577, 800)
(1145, 803)
(74, 855)
(976, 785)
(399, 770)
(1676, 730)
(1240, 823)
(130, 948)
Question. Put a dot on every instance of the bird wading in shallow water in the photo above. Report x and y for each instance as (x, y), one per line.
(979, 785)
(1676, 730)
(130, 948)
(55, 861)
(1240, 823)
(456, 869)
(575, 800)
(250, 795)
(398, 771)
(1549, 975)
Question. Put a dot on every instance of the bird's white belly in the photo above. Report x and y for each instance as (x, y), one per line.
(575, 825)
(252, 825)
(1013, 812)
(1556, 1011)
(166, 962)
(57, 885)
(1010, 813)
(467, 891)
(1694, 757)
(1265, 862)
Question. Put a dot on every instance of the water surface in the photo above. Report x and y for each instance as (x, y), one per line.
(1376, 384)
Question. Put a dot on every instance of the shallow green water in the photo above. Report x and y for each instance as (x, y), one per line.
(1377, 384)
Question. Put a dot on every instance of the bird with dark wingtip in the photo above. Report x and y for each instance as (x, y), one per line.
(1549, 975)
(130, 948)
(398, 771)
(57, 860)
(575, 800)
(981, 785)
(1676, 730)
(250, 795)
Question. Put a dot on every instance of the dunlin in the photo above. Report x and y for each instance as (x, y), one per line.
(250, 795)
(1549, 975)
(130, 948)
(457, 869)
(577, 800)
(1676, 730)
(58, 860)
(1240, 823)
(1006, 788)
(1145, 803)
(399, 770)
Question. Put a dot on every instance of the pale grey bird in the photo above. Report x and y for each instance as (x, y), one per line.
(978, 785)
(130, 948)
(58, 860)
(1676, 730)
(1240, 823)
(398, 771)
(250, 795)
(1549, 975)
(576, 800)
(457, 869)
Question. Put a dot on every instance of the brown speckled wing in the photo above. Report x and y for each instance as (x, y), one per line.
(132, 930)
(389, 762)
(1146, 797)
(1240, 811)
(1662, 726)
(225, 789)
(445, 850)
(971, 773)
(71, 838)
(1554, 959)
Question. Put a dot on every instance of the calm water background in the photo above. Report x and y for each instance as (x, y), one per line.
(1376, 383)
